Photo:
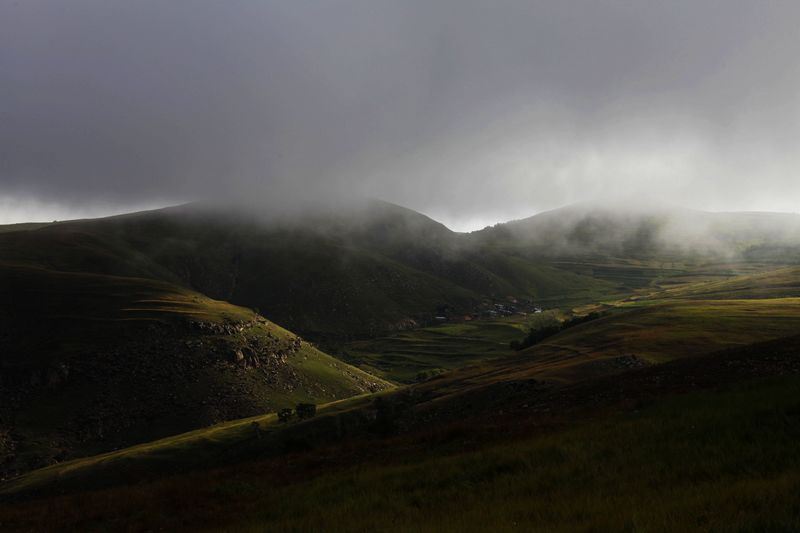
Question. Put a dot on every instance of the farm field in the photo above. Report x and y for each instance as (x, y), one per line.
(419, 354)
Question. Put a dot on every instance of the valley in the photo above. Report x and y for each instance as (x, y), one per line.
(140, 358)
(399, 266)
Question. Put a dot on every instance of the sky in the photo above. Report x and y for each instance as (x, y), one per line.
(471, 112)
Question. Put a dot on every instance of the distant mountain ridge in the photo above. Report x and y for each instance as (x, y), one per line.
(645, 231)
(372, 268)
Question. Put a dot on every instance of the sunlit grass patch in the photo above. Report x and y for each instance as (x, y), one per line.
(715, 460)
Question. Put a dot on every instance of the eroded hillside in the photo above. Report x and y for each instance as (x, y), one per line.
(92, 362)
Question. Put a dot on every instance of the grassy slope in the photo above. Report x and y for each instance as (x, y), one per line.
(683, 321)
(683, 328)
(644, 275)
(408, 356)
(674, 466)
(662, 332)
(404, 356)
(653, 330)
(23, 226)
(638, 247)
(235, 440)
(359, 273)
(635, 452)
(92, 362)
(774, 283)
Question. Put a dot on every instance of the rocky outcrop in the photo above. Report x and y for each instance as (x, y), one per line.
(138, 381)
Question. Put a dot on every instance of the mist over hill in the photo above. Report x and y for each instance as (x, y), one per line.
(360, 267)
(355, 271)
(650, 231)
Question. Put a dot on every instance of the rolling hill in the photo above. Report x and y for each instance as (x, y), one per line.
(359, 272)
(661, 447)
(651, 231)
(92, 362)
(371, 268)
(119, 330)
(636, 353)
(777, 283)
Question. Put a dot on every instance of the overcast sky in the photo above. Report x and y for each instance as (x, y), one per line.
(472, 112)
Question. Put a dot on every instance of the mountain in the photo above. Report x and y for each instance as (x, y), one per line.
(650, 232)
(358, 271)
(119, 330)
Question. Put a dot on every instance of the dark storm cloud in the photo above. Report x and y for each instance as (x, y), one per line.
(471, 111)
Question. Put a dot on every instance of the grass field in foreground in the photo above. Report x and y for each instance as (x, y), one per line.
(705, 461)
(217, 445)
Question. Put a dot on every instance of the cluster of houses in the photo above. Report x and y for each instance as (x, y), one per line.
(494, 310)
(497, 310)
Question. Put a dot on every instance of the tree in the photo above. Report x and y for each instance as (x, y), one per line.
(537, 335)
(284, 415)
(305, 410)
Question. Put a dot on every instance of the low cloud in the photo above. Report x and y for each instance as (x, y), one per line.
(464, 110)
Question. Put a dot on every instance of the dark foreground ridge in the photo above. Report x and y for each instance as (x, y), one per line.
(425, 414)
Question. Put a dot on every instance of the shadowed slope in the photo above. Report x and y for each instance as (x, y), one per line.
(567, 456)
(360, 271)
(92, 362)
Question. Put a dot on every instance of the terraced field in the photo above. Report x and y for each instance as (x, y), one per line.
(418, 354)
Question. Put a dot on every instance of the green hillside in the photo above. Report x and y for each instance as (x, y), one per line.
(683, 321)
(115, 330)
(418, 354)
(335, 275)
(93, 362)
(640, 331)
(777, 283)
(219, 444)
(655, 448)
